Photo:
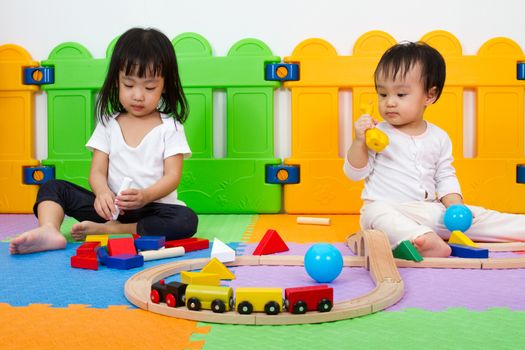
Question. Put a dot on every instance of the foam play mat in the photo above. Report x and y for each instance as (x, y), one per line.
(46, 304)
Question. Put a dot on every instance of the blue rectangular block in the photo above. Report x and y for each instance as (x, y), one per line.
(463, 251)
(150, 242)
(102, 255)
(124, 261)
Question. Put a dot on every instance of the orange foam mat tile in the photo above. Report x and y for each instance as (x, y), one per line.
(288, 228)
(40, 326)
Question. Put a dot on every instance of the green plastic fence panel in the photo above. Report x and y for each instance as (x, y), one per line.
(229, 186)
(249, 127)
(199, 125)
(235, 184)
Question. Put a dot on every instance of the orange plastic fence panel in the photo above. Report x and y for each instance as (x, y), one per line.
(499, 119)
(316, 132)
(17, 131)
(323, 188)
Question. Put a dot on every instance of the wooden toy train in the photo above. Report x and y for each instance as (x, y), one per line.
(372, 250)
(219, 299)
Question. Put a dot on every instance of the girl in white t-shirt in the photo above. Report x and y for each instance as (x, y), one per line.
(140, 111)
(410, 184)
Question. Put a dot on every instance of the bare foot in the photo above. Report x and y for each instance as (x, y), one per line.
(83, 228)
(431, 245)
(45, 237)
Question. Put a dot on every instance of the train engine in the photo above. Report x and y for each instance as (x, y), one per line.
(171, 293)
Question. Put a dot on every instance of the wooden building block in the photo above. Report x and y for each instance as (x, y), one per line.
(406, 250)
(103, 239)
(216, 267)
(270, 243)
(458, 237)
(84, 262)
(313, 221)
(124, 261)
(189, 244)
(222, 251)
(462, 251)
(201, 278)
(150, 242)
(118, 246)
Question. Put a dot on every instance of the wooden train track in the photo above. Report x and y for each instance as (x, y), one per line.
(355, 243)
(389, 288)
(373, 252)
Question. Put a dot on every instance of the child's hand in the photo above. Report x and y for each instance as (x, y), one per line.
(104, 205)
(362, 124)
(129, 199)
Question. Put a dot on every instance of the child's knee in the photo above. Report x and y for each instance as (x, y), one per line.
(375, 212)
(179, 225)
(188, 221)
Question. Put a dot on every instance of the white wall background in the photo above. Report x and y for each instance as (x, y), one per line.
(39, 26)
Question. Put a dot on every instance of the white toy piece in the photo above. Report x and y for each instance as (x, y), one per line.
(126, 184)
(222, 251)
(162, 253)
(313, 221)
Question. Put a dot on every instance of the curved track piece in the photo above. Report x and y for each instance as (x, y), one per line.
(357, 243)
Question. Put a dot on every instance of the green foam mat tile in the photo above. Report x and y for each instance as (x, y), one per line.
(228, 228)
(66, 228)
(456, 328)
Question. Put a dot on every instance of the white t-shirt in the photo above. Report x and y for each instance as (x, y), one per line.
(144, 163)
(410, 168)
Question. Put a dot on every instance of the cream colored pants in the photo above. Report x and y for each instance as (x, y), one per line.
(406, 221)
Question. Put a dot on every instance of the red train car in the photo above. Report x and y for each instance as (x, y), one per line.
(298, 300)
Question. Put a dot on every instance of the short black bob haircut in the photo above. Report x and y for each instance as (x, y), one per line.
(400, 58)
(143, 51)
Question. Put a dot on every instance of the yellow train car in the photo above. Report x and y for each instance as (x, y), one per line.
(217, 299)
(250, 299)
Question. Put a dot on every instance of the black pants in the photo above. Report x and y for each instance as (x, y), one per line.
(154, 219)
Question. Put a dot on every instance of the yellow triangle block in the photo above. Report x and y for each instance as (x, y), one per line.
(215, 266)
(458, 237)
(103, 239)
(207, 279)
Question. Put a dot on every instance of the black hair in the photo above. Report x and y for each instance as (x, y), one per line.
(141, 52)
(400, 58)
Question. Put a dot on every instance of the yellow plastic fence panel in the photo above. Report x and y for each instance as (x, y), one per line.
(17, 130)
(323, 188)
(488, 179)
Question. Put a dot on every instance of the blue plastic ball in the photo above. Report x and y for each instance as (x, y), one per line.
(458, 218)
(323, 262)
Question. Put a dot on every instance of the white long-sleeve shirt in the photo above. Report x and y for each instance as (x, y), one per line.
(410, 168)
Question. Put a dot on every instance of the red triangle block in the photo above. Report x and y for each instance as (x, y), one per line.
(270, 243)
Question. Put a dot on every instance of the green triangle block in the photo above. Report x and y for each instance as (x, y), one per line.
(406, 250)
(122, 235)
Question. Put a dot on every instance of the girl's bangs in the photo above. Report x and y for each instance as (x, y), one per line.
(141, 65)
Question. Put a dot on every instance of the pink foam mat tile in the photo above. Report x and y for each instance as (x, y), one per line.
(14, 224)
(425, 288)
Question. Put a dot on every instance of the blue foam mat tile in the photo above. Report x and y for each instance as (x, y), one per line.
(48, 278)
